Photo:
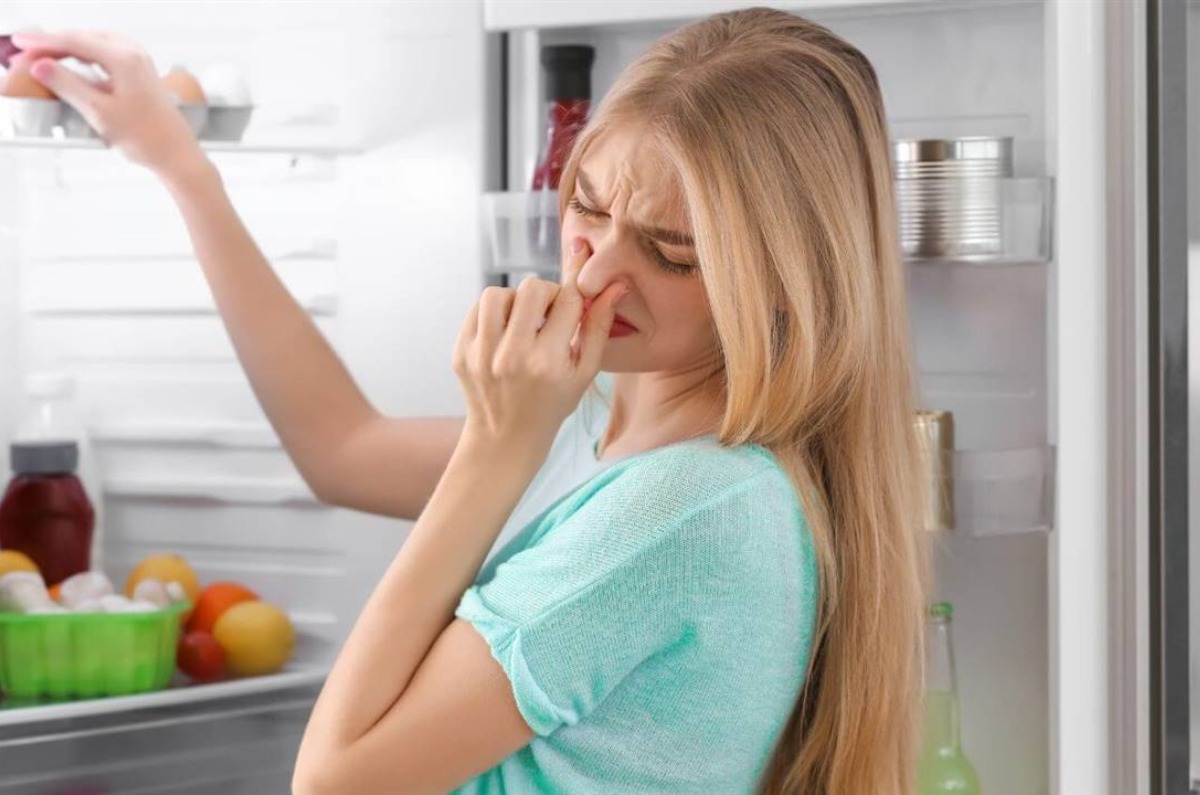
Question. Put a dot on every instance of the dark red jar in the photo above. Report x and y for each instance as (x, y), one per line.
(45, 512)
(568, 81)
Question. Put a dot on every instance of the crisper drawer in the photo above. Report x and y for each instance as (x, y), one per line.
(243, 744)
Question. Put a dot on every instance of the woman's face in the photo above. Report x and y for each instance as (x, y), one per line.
(628, 206)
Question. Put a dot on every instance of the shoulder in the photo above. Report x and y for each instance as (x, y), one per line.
(699, 471)
(697, 488)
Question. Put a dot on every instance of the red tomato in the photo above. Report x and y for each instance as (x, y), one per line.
(200, 656)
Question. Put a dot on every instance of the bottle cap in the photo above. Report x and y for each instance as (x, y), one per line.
(44, 458)
(941, 610)
(568, 71)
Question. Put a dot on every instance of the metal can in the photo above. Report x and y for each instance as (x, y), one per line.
(935, 432)
(949, 195)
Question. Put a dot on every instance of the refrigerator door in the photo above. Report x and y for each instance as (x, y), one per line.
(1172, 78)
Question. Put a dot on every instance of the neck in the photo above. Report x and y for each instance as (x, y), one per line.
(650, 410)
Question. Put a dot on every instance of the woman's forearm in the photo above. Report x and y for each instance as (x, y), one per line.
(304, 388)
(415, 600)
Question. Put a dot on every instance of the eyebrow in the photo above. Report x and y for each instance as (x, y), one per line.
(667, 236)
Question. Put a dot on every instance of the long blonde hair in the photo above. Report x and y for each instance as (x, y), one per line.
(777, 130)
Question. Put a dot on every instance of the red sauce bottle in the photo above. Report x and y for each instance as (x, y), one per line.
(568, 97)
(45, 512)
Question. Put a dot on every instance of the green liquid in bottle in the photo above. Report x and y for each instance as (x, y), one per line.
(943, 768)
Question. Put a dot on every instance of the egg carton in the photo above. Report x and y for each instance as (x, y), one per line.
(21, 116)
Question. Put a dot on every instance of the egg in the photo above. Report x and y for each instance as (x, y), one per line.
(48, 610)
(153, 591)
(22, 591)
(88, 606)
(176, 592)
(85, 586)
(20, 83)
(184, 86)
(115, 603)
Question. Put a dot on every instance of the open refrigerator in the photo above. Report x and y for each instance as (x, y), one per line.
(379, 128)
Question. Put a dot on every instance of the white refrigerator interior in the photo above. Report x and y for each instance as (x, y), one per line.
(359, 177)
(378, 126)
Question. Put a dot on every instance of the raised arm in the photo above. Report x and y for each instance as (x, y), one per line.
(347, 452)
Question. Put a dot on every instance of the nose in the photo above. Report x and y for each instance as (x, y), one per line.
(607, 262)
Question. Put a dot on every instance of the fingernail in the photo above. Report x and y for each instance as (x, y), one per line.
(42, 69)
(577, 245)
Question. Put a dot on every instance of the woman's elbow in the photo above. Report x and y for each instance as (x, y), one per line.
(311, 777)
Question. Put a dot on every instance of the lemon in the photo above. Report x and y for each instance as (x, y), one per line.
(12, 560)
(167, 568)
(257, 638)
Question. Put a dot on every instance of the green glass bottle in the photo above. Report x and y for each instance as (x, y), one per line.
(943, 767)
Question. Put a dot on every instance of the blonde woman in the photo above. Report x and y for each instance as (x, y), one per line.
(731, 599)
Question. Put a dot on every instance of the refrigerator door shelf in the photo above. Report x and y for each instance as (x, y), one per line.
(523, 232)
(981, 222)
(1003, 492)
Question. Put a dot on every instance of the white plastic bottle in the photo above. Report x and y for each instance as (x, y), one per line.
(52, 413)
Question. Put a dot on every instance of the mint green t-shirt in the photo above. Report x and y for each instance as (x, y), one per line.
(655, 623)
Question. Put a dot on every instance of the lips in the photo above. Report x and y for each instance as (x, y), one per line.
(587, 304)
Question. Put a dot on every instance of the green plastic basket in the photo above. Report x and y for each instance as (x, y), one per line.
(63, 656)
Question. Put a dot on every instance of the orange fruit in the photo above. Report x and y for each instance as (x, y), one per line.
(56, 592)
(214, 600)
(168, 568)
(257, 638)
(11, 560)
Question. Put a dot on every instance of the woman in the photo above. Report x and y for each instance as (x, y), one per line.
(733, 601)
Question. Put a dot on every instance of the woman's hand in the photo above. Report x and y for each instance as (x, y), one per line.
(131, 110)
(521, 382)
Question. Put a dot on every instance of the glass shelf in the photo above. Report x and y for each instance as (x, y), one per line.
(181, 691)
(227, 490)
(976, 222)
(1003, 492)
(246, 147)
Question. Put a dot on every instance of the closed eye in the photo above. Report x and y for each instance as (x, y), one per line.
(681, 268)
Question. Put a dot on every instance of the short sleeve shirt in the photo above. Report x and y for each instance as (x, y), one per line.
(655, 623)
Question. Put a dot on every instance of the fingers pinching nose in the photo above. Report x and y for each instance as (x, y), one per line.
(573, 264)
